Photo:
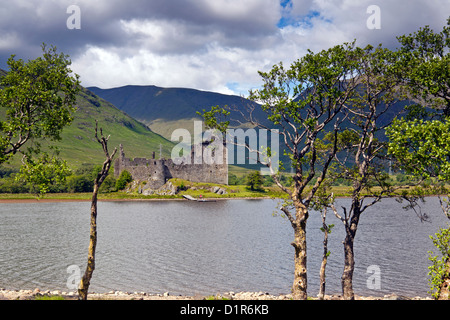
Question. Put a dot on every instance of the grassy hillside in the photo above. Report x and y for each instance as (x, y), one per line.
(78, 144)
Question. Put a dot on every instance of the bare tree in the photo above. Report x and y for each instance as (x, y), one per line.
(85, 280)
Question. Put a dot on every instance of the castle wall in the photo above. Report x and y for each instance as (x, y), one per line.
(199, 172)
(157, 171)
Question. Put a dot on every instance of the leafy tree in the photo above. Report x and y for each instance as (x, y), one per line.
(421, 141)
(232, 179)
(439, 271)
(36, 102)
(268, 181)
(362, 160)
(80, 183)
(109, 185)
(254, 180)
(44, 172)
(124, 178)
(302, 102)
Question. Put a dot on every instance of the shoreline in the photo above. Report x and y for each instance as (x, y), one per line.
(131, 199)
(37, 294)
(27, 198)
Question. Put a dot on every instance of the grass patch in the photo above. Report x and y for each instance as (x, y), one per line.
(185, 188)
(215, 298)
(49, 298)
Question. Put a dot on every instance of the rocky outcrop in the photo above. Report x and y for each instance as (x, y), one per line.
(218, 190)
(168, 189)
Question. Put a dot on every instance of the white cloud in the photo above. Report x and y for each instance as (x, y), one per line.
(216, 45)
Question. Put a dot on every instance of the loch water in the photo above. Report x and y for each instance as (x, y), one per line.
(202, 248)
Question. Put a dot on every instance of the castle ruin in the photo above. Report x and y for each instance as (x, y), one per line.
(156, 172)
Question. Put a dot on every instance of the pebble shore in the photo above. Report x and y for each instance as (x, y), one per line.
(120, 295)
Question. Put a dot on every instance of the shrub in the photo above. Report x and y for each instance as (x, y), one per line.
(254, 180)
(124, 178)
(439, 271)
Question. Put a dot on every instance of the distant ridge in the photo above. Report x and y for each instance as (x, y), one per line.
(149, 103)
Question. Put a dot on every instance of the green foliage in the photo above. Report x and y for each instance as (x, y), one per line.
(268, 181)
(233, 179)
(124, 178)
(215, 118)
(440, 269)
(303, 102)
(316, 81)
(328, 228)
(254, 180)
(83, 178)
(426, 58)
(11, 185)
(7, 172)
(76, 181)
(108, 185)
(421, 147)
(80, 183)
(43, 172)
(36, 102)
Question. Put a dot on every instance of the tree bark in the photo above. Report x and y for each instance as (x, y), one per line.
(349, 256)
(300, 285)
(323, 266)
(349, 267)
(86, 279)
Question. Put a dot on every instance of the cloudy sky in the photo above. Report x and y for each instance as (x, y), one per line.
(215, 45)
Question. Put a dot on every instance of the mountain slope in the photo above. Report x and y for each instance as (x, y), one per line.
(78, 142)
(167, 109)
(151, 102)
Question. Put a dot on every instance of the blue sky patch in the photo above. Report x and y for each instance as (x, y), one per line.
(288, 19)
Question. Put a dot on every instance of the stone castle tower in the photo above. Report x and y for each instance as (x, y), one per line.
(156, 172)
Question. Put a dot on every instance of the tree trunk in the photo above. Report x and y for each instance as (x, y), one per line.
(85, 280)
(349, 267)
(299, 287)
(349, 257)
(323, 266)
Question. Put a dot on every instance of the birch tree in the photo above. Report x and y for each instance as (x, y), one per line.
(302, 103)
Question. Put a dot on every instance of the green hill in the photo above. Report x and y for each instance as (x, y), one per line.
(78, 143)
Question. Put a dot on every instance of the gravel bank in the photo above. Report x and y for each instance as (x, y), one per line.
(119, 295)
